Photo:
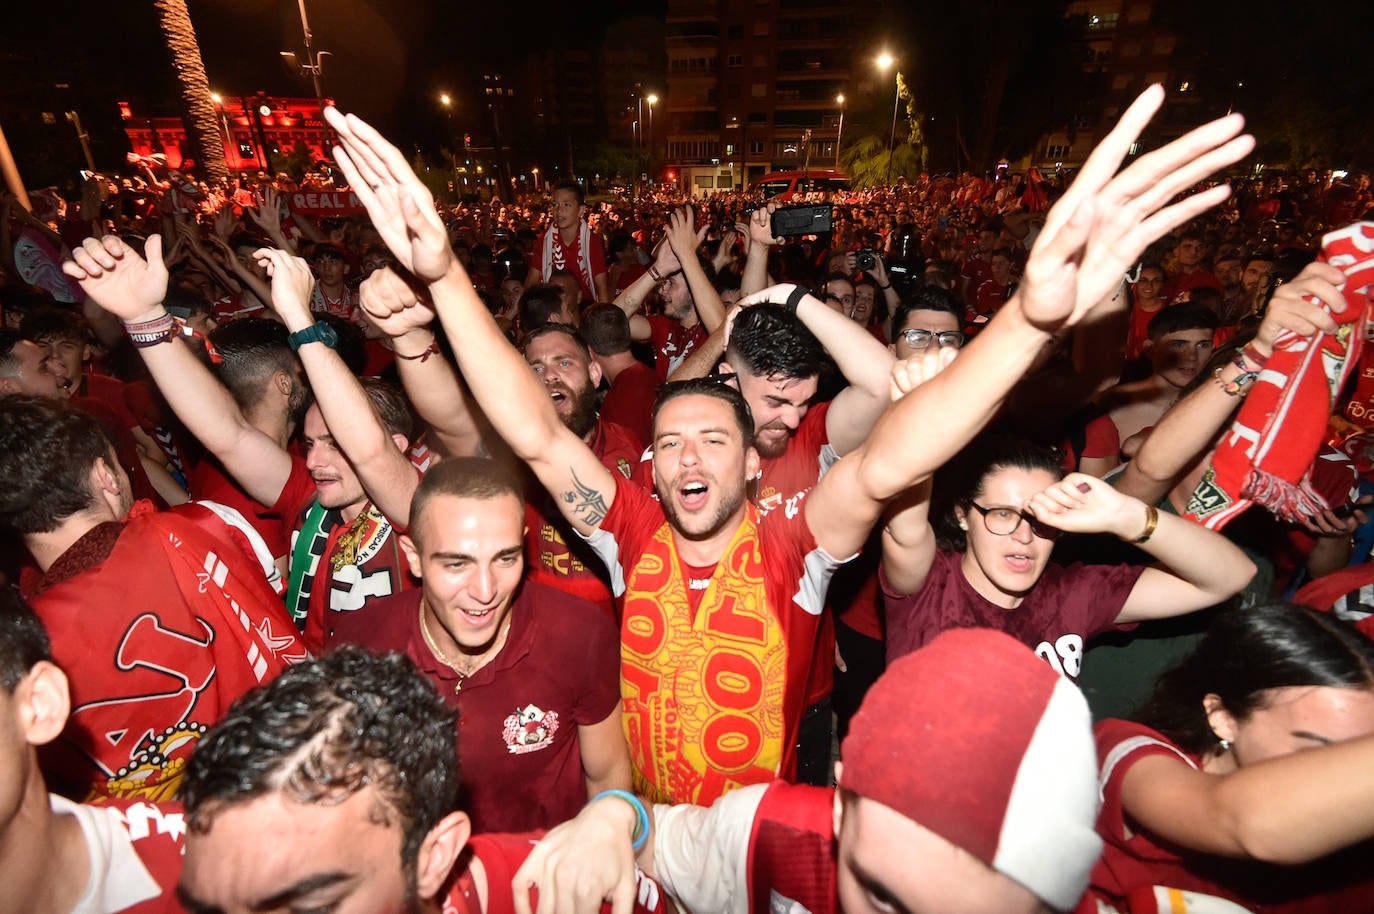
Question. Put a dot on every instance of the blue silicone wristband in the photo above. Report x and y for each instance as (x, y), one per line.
(640, 836)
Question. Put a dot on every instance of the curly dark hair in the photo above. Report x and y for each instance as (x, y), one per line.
(771, 343)
(326, 729)
(1247, 652)
(47, 450)
(23, 639)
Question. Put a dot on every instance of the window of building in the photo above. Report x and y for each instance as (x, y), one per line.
(735, 33)
(705, 182)
(1121, 81)
(760, 60)
(735, 60)
(756, 147)
(733, 90)
(758, 90)
(758, 117)
(1163, 46)
(761, 29)
(1130, 49)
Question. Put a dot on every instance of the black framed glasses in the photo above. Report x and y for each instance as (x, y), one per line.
(921, 339)
(1001, 521)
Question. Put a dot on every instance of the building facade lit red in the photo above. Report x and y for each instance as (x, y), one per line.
(250, 126)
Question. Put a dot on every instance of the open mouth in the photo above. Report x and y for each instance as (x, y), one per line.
(1020, 562)
(478, 617)
(692, 496)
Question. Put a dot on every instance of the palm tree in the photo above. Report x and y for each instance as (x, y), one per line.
(197, 108)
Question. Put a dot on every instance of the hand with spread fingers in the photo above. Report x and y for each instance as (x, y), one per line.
(117, 279)
(1105, 220)
(683, 235)
(399, 204)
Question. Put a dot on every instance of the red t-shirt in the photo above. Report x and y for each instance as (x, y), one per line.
(977, 271)
(795, 574)
(209, 482)
(991, 295)
(379, 358)
(1066, 607)
(501, 856)
(1139, 332)
(1130, 868)
(557, 556)
(630, 402)
(1176, 285)
(1101, 438)
(133, 849)
(518, 715)
(672, 342)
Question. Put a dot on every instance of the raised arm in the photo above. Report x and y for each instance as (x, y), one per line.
(434, 388)
(376, 454)
(1200, 567)
(759, 241)
(1188, 429)
(132, 289)
(685, 238)
(1099, 227)
(519, 407)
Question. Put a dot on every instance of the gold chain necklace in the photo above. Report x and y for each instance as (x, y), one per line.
(443, 658)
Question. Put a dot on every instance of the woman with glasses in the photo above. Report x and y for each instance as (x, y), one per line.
(990, 565)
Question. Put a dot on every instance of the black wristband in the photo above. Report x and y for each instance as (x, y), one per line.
(886, 287)
(795, 298)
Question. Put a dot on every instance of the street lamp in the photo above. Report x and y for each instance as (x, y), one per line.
(839, 99)
(313, 65)
(886, 60)
(535, 171)
(652, 100)
(445, 99)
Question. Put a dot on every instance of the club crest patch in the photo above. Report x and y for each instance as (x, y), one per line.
(529, 729)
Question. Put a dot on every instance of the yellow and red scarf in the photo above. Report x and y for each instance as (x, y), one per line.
(704, 691)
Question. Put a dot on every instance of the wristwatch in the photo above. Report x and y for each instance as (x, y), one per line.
(315, 333)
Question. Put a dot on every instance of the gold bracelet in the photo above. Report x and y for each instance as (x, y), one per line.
(1151, 521)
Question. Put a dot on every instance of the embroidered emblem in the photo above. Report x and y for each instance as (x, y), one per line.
(529, 729)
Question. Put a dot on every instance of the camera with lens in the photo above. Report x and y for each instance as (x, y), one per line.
(865, 259)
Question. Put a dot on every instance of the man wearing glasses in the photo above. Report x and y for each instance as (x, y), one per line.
(928, 317)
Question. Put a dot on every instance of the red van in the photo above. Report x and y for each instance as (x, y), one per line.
(784, 185)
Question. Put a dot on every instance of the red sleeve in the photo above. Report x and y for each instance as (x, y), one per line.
(1102, 438)
(298, 492)
(1120, 744)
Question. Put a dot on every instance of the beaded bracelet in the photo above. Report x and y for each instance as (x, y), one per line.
(640, 835)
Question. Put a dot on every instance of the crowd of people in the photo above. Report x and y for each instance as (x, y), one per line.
(998, 545)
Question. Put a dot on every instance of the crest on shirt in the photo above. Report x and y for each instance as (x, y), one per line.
(769, 499)
(529, 729)
(623, 466)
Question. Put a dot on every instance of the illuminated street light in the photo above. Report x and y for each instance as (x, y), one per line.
(839, 100)
(445, 100)
(884, 61)
(651, 99)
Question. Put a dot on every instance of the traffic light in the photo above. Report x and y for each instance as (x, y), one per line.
(672, 175)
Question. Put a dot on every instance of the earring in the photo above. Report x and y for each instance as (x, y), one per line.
(1226, 745)
(963, 525)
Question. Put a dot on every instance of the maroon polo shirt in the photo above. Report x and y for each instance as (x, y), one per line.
(519, 760)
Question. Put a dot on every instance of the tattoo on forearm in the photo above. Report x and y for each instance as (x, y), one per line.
(588, 504)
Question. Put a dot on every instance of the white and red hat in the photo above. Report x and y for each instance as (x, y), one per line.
(976, 739)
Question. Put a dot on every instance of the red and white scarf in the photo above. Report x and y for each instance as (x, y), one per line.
(1267, 455)
(556, 258)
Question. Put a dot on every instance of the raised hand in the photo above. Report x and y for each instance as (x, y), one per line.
(683, 235)
(392, 305)
(292, 283)
(1297, 306)
(224, 223)
(1104, 221)
(760, 229)
(581, 863)
(1080, 503)
(267, 214)
(117, 279)
(909, 374)
(399, 204)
